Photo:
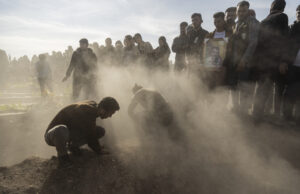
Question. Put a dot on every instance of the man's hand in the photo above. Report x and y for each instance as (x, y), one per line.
(65, 78)
(283, 67)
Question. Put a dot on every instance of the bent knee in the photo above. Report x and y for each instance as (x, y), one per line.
(59, 133)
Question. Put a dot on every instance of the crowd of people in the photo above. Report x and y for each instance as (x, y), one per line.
(242, 54)
(250, 58)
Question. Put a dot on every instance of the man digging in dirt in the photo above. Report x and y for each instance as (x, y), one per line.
(75, 125)
(156, 113)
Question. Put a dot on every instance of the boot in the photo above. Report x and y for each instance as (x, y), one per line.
(64, 161)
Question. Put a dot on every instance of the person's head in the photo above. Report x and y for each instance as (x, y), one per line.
(42, 57)
(136, 88)
(107, 107)
(108, 42)
(83, 43)
(128, 41)
(242, 11)
(278, 5)
(183, 26)
(118, 44)
(138, 38)
(162, 41)
(298, 13)
(95, 45)
(197, 20)
(230, 15)
(219, 21)
(252, 13)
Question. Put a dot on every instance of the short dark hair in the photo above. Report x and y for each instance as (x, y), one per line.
(231, 9)
(219, 15)
(42, 56)
(243, 4)
(298, 8)
(109, 104)
(84, 41)
(162, 38)
(128, 37)
(196, 15)
(137, 35)
(118, 42)
(184, 24)
(278, 5)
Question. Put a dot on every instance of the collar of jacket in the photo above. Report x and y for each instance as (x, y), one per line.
(272, 12)
(80, 50)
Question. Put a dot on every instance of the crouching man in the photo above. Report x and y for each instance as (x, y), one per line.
(75, 125)
(156, 110)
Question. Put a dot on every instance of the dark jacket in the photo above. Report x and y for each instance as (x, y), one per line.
(244, 40)
(179, 46)
(196, 42)
(83, 63)
(80, 119)
(161, 57)
(294, 40)
(272, 48)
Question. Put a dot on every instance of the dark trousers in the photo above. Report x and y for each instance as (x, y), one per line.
(59, 136)
(45, 84)
(242, 88)
(88, 85)
(292, 92)
(266, 82)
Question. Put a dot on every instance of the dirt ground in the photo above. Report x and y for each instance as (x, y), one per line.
(137, 171)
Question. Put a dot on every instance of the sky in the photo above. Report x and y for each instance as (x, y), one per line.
(30, 27)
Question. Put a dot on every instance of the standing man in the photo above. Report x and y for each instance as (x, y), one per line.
(214, 73)
(119, 50)
(145, 51)
(272, 58)
(292, 94)
(180, 46)
(44, 75)
(230, 17)
(196, 35)
(83, 65)
(109, 52)
(130, 51)
(75, 125)
(238, 58)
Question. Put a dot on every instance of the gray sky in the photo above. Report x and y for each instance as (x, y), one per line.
(35, 26)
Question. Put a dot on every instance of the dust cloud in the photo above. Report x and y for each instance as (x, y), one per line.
(220, 152)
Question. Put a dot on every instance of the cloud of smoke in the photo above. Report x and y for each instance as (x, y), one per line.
(220, 153)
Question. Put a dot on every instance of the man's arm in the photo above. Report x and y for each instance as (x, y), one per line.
(175, 45)
(71, 66)
(93, 142)
(89, 126)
